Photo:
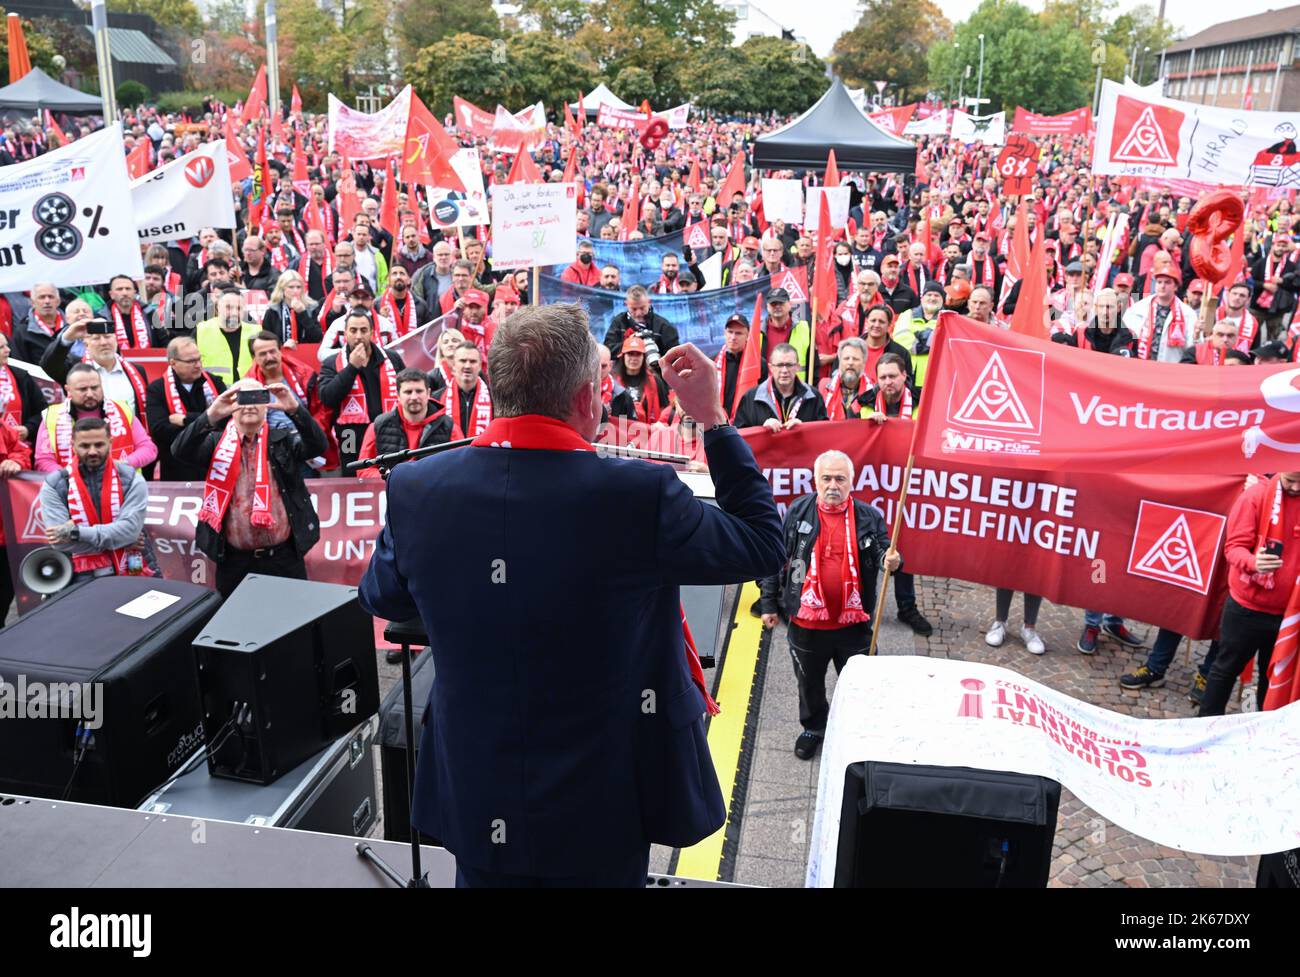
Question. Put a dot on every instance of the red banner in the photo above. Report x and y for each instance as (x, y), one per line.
(351, 515)
(472, 119)
(1000, 398)
(894, 120)
(1147, 547)
(1018, 162)
(1076, 123)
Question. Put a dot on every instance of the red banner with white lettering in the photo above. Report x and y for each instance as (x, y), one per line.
(1000, 398)
(472, 119)
(351, 512)
(608, 117)
(895, 119)
(1147, 547)
(1076, 123)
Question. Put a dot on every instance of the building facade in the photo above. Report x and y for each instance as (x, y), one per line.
(1251, 62)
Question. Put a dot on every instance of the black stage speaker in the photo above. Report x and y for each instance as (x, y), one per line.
(129, 639)
(905, 826)
(285, 668)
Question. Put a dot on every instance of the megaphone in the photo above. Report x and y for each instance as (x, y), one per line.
(45, 571)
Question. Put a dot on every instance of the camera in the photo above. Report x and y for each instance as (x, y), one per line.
(651, 347)
(252, 398)
(98, 327)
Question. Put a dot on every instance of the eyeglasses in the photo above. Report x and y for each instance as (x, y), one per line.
(784, 366)
(192, 361)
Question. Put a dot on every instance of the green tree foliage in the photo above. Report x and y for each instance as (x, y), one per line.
(721, 82)
(420, 23)
(890, 43)
(343, 53)
(177, 15)
(131, 93)
(561, 18)
(784, 76)
(1033, 60)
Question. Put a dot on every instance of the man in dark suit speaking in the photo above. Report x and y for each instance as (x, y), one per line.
(564, 732)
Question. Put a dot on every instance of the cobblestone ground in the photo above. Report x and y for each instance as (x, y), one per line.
(1089, 850)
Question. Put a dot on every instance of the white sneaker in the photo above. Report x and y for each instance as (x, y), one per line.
(997, 634)
(1033, 642)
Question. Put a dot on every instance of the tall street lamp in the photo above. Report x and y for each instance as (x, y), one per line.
(979, 85)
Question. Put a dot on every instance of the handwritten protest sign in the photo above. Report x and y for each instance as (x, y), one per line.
(534, 224)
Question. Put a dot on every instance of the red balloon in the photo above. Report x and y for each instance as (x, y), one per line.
(1214, 219)
(654, 133)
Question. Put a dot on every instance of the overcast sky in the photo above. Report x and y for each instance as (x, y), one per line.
(833, 17)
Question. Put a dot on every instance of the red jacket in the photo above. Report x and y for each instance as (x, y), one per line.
(581, 274)
(13, 448)
(1243, 540)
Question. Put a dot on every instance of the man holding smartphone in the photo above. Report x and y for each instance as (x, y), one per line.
(1263, 554)
(257, 516)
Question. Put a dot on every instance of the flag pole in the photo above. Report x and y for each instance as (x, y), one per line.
(939, 344)
(104, 61)
(537, 285)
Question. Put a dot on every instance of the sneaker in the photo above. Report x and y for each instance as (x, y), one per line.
(1143, 678)
(1123, 635)
(1088, 641)
(916, 621)
(1033, 643)
(807, 745)
(1197, 691)
(997, 634)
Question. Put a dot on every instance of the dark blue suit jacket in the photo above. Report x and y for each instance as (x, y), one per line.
(563, 724)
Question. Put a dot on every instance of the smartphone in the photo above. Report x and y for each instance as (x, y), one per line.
(253, 397)
(98, 327)
(1273, 547)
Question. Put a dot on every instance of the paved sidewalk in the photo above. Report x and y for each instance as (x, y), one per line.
(1089, 850)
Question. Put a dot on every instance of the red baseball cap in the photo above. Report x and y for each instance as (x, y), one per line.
(982, 236)
(1168, 271)
(750, 242)
(475, 297)
(1196, 285)
(633, 344)
(1124, 278)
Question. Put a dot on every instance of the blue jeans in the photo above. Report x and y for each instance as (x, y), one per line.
(1166, 646)
(1095, 619)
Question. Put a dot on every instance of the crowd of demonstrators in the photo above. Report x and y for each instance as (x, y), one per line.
(325, 270)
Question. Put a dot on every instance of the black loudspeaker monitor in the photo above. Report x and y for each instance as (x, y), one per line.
(905, 825)
(285, 668)
(123, 644)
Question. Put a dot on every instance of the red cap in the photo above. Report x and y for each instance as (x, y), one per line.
(1124, 278)
(506, 293)
(982, 236)
(633, 344)
(1196, 285)
(1169, 270)
(750, 242)
(475, 297)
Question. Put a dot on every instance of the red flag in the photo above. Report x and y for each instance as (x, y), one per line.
(580, 118)
(301, 181)
(295, 103)
(427, 158)
(823, 285)
(570, 124)
(751, 360)
(388, 203)
(832, 171)
(524, 170)
(645, 107)
(1283, 676)
(1018, 255)
(571, 176)
(349, 203)
(921, 175)
(734, 183)
(137, 160)
(1028, 317)
(1013, 401)
(693, 180)
(256, 100)
(257, 197)
(315, 220)
(236, 157)
(277, 128)
(632, 212)
(54, 128)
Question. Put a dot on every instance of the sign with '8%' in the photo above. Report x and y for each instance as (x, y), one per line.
(66, 217)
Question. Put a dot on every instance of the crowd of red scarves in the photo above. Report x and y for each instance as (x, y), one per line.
(948, 223)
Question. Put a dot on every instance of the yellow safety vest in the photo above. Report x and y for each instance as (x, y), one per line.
(215, 350)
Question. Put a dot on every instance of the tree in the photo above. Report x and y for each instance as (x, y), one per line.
(617, 48)
(890, 43)
(545, 68)
(131, 93)
(178, 15)
(562, 18)
(784, 76)
(636, 84)
(420, 23)
(1041, 62)
(341, 53)
(696, 23)
(721, 82)
(467, 65)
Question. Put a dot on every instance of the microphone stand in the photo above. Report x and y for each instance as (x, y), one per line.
(411, 632)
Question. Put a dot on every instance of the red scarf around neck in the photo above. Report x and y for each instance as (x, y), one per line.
(139, 328)
(480, 413)
(533, 432)
(174, 404)
(835, 396)
(812, 602)
(354, 409)
(403, 321)
(904, 409)
(82, 513)
(223, 474)
(11, 405)
(1175, 330)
